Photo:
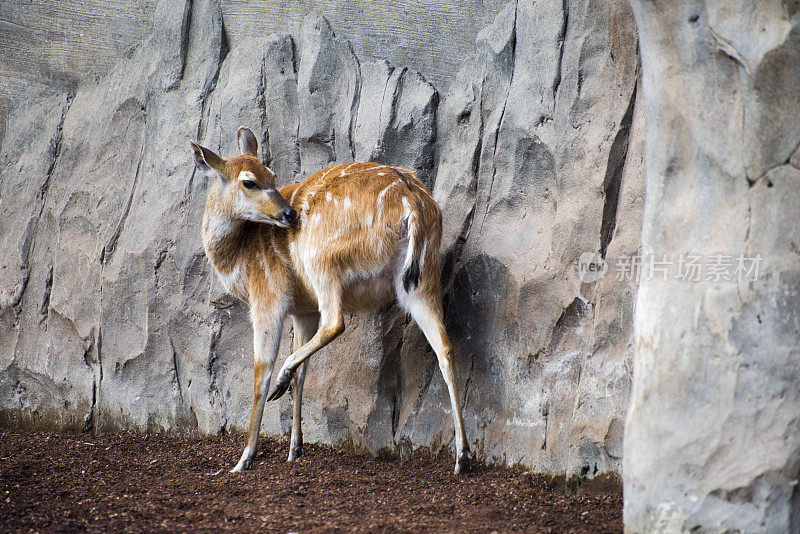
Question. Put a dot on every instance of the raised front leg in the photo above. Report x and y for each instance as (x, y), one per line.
(305, 326)
(266, 338)
(331, 325)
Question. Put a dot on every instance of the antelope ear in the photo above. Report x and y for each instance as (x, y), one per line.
(247, 142)
(211, 164)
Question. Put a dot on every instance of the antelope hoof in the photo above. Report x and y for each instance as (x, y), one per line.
(295, 453)
(281, 386)
(243, 465)
(462, 463)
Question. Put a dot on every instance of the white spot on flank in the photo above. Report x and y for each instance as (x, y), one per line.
(368, 220)
(311, 192)
(383, 193)
(329, 196)
(346, 203)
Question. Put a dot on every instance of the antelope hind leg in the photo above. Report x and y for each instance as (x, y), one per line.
(429, 318)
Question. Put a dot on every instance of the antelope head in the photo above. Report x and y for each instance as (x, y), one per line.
(246, 186)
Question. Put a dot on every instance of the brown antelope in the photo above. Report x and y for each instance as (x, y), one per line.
(352, 237)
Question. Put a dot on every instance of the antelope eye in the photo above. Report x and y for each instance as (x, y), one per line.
(249, 184)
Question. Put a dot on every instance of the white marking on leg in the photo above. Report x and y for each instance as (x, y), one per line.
(241, 463)
(266, 339)
(432, 328)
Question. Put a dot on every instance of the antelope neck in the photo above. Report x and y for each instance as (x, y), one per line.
(223, 238)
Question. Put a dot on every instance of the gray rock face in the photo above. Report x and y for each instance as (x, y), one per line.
(329, 80)
(712, 441)
(528, 155)
(44, 45)
(535, 155)
(404, 129)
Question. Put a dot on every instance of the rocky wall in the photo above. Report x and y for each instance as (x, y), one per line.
(713, 432)
(46, 45)
(111, 317)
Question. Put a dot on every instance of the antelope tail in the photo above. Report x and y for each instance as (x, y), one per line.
(415, 256)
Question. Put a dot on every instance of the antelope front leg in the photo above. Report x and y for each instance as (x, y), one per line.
(265, 342)
(305, 326)
(296, 443)
(331, 325)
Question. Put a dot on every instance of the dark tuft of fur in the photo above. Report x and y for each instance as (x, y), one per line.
(411, 276)
(402, 177)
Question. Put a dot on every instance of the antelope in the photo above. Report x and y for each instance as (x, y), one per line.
(352, 237)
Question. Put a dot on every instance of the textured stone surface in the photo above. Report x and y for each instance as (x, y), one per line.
(45, 45)
(527, 135)
(329, 83)
(712, 440)
(404, 130)
(54, 46)
(535, 154)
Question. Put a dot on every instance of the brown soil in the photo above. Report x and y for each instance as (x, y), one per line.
(166, 483)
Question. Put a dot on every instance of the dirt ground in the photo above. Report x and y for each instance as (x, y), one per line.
(68, 482)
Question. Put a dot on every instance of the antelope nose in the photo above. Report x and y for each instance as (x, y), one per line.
(290, 216)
